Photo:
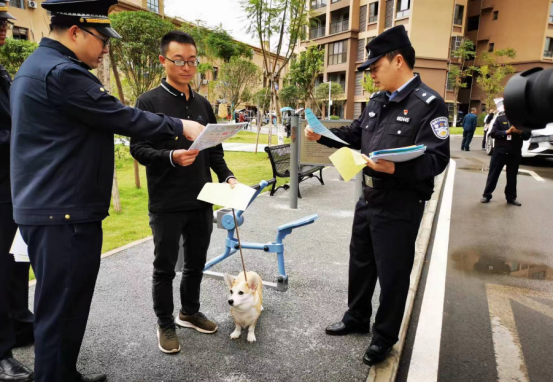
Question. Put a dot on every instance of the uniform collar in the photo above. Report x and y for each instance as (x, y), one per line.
(406, 89)
(174, 92)
(53, 44)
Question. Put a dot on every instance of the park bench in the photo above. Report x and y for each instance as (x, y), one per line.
(279, 156)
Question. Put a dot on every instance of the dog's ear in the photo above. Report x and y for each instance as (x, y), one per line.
(253, 284)
(228, 280)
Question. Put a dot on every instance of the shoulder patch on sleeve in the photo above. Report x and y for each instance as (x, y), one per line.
(440, 127)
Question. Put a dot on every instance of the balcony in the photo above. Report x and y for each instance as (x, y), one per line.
(335, 59)
(458, 21)
(548, 53)
(339, 26)
(316, 4)
(317, 32)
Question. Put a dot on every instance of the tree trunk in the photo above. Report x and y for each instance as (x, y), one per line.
(115, 193)
(122, 99)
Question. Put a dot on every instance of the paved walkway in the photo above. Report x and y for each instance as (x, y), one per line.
(291, 343)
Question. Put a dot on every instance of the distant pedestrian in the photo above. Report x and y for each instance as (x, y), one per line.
(470, 124)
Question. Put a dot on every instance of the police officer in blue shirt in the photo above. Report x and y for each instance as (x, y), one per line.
(62, 161)
(16, 321)
(404, 112)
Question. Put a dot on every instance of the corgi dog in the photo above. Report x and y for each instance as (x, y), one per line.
(246, 302)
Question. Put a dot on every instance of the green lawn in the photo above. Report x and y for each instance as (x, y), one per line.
(460, 130)
(132, 223)
(249, 137)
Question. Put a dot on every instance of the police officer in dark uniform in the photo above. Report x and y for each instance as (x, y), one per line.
(16, 321)
(507, 152)
(386, 222)
(62, 162)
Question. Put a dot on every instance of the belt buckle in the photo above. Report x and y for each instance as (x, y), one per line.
(369, 181)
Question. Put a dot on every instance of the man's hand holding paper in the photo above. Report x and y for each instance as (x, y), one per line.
(192, 129)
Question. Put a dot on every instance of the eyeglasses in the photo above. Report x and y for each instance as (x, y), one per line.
(192, 64)
(6, 23)
(105, 42)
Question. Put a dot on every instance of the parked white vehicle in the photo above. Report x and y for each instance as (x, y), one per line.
(539, 145)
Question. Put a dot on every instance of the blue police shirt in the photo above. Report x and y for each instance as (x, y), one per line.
(63, 125)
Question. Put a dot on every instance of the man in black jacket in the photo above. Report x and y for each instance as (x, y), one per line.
(16, 321)
(507, 152)
(176, 176)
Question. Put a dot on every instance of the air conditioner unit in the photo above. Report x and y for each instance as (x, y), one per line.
(205, 82)
(32, 4)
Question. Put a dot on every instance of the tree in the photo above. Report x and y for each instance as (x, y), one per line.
(290, 95)
(458, 72)
(492, 71)
(14, 52)
(286, 20)
(136, 55)
(337, 93)
(235, 77)
(304, 70)
(246, 95)
(368, 85)
(262, 99)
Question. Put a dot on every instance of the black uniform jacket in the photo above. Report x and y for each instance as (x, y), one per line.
(63, 125)
(172, 187)
(415, 116)
(5, 134)
(507, 143)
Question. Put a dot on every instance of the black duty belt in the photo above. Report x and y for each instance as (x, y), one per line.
(380, 183)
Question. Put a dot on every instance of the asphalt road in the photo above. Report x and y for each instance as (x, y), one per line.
(497, 314)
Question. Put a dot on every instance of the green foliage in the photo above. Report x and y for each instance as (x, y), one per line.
(368, 85)
(289, 96)
(334, 118)
(235, 76)
(322, 92)
(492, 71)
(262, 98)
(481, 119)
(304, 70)
(136, 54)
(14, 52)
(246, 95)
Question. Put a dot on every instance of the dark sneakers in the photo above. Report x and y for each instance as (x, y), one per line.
(14, 371)
(168, 341)
(196, 321)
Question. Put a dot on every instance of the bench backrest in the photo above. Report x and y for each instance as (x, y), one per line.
(279, 156)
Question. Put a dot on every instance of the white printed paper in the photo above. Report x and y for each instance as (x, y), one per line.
(214, 134)
(222, 194)
(19, 249)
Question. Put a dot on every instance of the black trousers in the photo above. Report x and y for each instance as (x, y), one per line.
(16, 321)
(196, 228)
(66, 260)
(498, 161)
(467, 138)
(382, 247)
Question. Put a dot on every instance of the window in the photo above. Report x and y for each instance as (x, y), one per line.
(318, 4)
(495, 15)
(363, 18)
(373, 12)
(539, 275)
(458, 14)
(17, 4)
(483, 108)
(340, 25)
(215, 73)
(473, 23)
(153, 5)
(548, 47)
(550, 16)
(455, 42)
(450, 109)
(337, 53)
(402, 8)
(449, 82)
(491, 47)
(334, 1)
(361, 50)
(20, 33)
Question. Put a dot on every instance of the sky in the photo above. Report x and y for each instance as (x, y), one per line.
(212, 13)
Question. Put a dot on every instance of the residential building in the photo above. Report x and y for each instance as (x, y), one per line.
(525, 26)
(344, 27)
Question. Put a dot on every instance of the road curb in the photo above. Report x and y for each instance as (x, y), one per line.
(386, 370)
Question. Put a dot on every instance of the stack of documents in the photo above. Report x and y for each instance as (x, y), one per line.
(401, 154)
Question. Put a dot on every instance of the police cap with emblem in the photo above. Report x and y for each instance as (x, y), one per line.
(391, 39)
(83, 13)
(4, 15)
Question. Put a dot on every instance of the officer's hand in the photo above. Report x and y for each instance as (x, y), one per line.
(184, 157)
(309, 133)
(385, 166)
(232, 182)
(511, 130)
(192, 129)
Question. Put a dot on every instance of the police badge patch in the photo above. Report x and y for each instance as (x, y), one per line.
(440, 127)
